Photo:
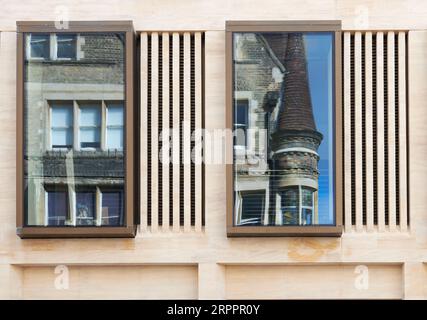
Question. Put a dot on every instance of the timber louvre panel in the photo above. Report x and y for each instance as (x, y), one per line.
(172, 103)
(375, 131)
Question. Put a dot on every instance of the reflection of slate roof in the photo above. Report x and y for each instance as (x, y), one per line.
(100, 164)
(296, 110)
(277, 42)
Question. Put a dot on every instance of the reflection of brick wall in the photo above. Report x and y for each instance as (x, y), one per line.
(102, 62)
(102, 48)
(254, 69)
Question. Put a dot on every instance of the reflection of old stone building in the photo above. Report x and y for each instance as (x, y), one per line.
(75, 90)
(276, 166)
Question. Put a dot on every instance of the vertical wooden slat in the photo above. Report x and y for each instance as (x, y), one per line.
(176, 126)
(358, 129)
(187, 132)
(402, 133)
(368, 134)
(143, 133)
(380, 132)
(391, 125)
(198, 126)
(347, 132)
(165, 131)
(154, 130)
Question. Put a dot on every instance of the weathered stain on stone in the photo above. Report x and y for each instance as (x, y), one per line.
(307, 250)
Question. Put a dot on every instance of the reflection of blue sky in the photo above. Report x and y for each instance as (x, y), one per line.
(319, 58)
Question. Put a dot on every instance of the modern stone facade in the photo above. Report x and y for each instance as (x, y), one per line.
(206, 264)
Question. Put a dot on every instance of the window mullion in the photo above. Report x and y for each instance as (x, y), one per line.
(72, 205)
(76, 114)
(300, 204)
(103, 126)
(98, 203)
(53, 46)
(48, 126)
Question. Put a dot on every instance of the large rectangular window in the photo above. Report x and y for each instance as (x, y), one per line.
(291, 144)
(71, 114)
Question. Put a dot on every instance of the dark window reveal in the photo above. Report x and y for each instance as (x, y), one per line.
(57, 208)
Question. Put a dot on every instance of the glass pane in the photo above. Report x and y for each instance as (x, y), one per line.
(288, 78)
(242, 113)
(66, 44)
(290, 197)
(39, 46)
(89, 135)
(307, 197)
(57, 203)
(115, 138)
(98, 75)
(90, 115)
(112, 208)
(62, 115)
(85, 208)
(290, 216)
(62, 138)
(115, 115)
(307, 215)
(252, 208)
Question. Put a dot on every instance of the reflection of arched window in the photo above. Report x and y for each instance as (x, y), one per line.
(297, 205)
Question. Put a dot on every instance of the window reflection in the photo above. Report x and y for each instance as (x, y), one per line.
(282, 116)
(73, 129)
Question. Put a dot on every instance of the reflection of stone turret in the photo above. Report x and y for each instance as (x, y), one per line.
(294, 144)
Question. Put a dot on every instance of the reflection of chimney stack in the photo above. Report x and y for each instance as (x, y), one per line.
(296, 111)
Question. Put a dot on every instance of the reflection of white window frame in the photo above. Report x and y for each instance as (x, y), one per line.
(28, 49)
(76, 107)
(300, 207)
(98, 128)
(50, 127)
(53, 48)
(71, 215)
(306, 207)
(250, 143)
(239, 206)
(109, 126)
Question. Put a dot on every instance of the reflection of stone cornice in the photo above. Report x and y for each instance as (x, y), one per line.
(62, 154)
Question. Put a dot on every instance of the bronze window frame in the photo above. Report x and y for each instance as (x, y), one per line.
(128, 230)
(287, 26)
